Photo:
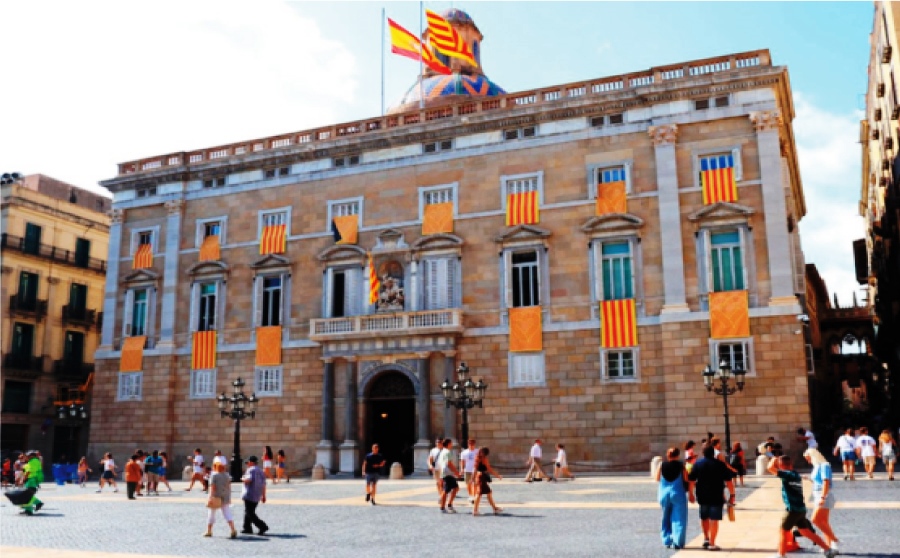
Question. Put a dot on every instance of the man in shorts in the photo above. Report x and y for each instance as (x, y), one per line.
(467, 464)
(449, 472)
(795, 508)
(151, 468)
(199, 470)
(432, 464)
(371, 468)
(711, 476)
(865, 450)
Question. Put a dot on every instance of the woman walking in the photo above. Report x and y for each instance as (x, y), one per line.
(83, 471)
(163, 471)
(822, 498)
(280, 467)
(219, 498)
(109, 472)
(887, 447)
(674, 492)
(268, 458)
(736, 460)
(561, 465)
(483, 470)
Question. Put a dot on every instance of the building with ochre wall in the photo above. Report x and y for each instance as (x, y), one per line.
(585, 248)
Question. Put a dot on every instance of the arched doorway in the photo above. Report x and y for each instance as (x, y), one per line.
(391, 418)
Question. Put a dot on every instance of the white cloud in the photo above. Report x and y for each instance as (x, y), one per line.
(100, 83)
(830, 165)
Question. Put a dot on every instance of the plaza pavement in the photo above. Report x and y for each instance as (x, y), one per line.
(591, 516)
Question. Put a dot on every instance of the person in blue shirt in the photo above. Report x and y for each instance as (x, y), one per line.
(822, 497)
(253, 493)
(795, 509)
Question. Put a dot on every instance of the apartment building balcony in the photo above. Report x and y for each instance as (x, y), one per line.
(72, 370)
(79, 316)
(52, 253)
(22, 366)
(31, 308)
(394, 324)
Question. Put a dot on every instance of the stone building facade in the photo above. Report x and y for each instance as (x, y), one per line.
(352, 372)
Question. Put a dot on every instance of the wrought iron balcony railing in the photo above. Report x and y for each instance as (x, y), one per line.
(46, 251)
(27, 306)
(72, 370)
(79, 315)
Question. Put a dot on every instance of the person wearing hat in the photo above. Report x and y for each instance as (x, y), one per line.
(253, 493)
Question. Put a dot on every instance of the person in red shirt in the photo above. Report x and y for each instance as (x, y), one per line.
(132, 476)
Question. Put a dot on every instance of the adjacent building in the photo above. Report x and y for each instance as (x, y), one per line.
(586, 248)
(54, 241)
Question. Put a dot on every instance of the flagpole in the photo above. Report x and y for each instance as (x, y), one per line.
(421, 59)
(382, 61)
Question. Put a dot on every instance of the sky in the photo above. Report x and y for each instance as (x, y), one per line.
(94, 83)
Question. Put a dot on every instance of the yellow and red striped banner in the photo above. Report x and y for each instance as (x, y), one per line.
(374, 282)
(618, 327)
(268, 346)
(718, 186)
(203, 353)
(438, 218)
(347, 229)
(611, 198)
(210, 250)
(729, 314)
(143, 258)
(522, 209)
(274, 240)
(133, 354)
(446, 39)
(406, 44)
(525, 329)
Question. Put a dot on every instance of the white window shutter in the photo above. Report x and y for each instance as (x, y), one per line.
(431, 284)
(706, 259)
(328, 292)
(627, 167)
(352, 291)
(284, 309)
(129, 313)
(738, 165)
(450, 289)
(257, 301)
(195, 304)
(742, 236)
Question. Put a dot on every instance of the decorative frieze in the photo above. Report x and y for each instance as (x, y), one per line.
(663, 135)
(766, 120)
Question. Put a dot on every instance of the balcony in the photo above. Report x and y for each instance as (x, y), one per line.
(45, 251)
(72, 371)
(395, 324)
(22, 366)
(83, 317)
(33, 308)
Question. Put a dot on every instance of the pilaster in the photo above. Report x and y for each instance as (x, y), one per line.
(325, 454)
(174, 209)
(110, 292)
(450, 412)
(349, 449)
(423, 404)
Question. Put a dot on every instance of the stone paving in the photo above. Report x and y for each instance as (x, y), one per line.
(591, 516)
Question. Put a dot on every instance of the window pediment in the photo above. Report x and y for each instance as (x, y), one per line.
(271, 261)
(721, 213)
(342, 253)
(204, 269)
(612, 223)
(443, 242)
(390, 240)
(522, 234)
(141, 276)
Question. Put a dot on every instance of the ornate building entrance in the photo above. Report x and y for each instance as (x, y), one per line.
(391, 418)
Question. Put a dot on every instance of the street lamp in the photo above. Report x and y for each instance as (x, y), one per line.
(724, 374)
(242, 407)
(73, 411)
(464, 394)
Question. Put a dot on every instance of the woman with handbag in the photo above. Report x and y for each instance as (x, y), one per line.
(219, 499)
(483, 472)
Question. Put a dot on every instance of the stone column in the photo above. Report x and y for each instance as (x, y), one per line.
(325, 450)
(423, 404)
(174, 208)
(110, 292)
(775, 208)
(663, 138)
(450, 412)
(349, 450)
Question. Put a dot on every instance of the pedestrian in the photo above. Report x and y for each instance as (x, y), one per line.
(371, 468)
(151, 468)
(711, 476)
(268, 461)
(846, 449)
(561, 465)
(253, 493)
(219, 458)
(449, 472)
(865, 449)
(534, 463)
(806, 435)
(674, 492)
(83, 471)
(281, 467)
(483, 479)
(7, 473)
(467, 464)
(140, 460)
(198, 470)
(109, 472)
(738, 462)
(164, 470)
(32, 477)
(132, 476)
(887, 447)
(19, 469)
(765, 448)
(219, 499)
(690, 455)
(822, 497)
(795, 508)
(432, 465)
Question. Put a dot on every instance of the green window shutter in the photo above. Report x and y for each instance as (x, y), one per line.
(82, 252)
(32, 238)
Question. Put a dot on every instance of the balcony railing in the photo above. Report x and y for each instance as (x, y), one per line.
(79, 315)
(391, 325)
(74, 371)
(59, 255)
(22, 365)
(30, 307)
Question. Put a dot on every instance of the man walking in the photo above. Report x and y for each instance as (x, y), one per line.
(449, 472)
(199, 470)
(467, 464)
(371, 468)
(534, 462)
(846, 449)
(253, 493)
(795, 509)
(151, 468)
(33, 476)
(712, 477)
(865, 449)
(432, 465)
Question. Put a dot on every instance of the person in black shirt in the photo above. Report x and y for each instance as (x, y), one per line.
(711, 476)
(372, 465)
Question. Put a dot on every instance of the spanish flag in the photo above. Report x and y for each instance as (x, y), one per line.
(274, 240)
(143, 258)
(717, 180)
(446, 40)
(345, 229)
(618, 327)
(522, 209)
(406, 44)
(374, 282)
(203, 355)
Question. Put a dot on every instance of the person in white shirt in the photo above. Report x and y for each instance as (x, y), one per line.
(467, 464)
(846, 449)
(534, 463)
(219, 458)
(449, 472)
(807, 436)
(888, 449)
(109, 472)
(561, 465)
(865, 449)
(199, 470)
(432, 464)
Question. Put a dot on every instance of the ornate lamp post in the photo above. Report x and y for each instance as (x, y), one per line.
(724, 374)
(464, 394)
(242, 407)
(72, 411)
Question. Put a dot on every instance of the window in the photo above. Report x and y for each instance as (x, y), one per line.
(616, 272)
(617, 118)
(137, 312)
(77, 300)
(268, 381)
(210, 227)
(435, 146)
(619, 364)
(16, 397)
(526, 369)
(341, 208)
(343, 292)
(73, 352)
(145, 191)
(203, 384)
(32, 244)
(520, 133)
(82, 252)
(525, 281)
(130, 386)
(608, 173)
(726, 261)
(206, 314)
(523, 184)
(23, 343)
(280, 171)
(271, 301)
(140, 237)
(720, 160)
(718, 102)
(736, 352)
(440, 279)
(445, 193)
(28, 290)
(350, 161)
(217, 182)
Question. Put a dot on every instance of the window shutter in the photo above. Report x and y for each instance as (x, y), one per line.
(195, 305)
(450, 289)
(328, 292)
(352, 291)
(738, 166)
(257, 302)
(742, 235)
(627, 168)
(127, 316)
(706, 262)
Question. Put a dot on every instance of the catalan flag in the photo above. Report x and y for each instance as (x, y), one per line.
(406, 44)
(374, 282)
(446, 40)
(143, 258)
(203, 354)
(345, 229)
(522, 209)
(209, 250)
(274, 239)
(717, 179)
(618, 326)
